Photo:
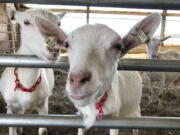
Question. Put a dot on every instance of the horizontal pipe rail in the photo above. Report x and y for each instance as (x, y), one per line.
(149, 65)
(8, 41)
(151, 4)
(9, 32)
(99, 11)
(124, 64)
(6, 23)
(76, 122)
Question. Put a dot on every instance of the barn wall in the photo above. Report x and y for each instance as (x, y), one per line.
(4, 37)
(9, 33)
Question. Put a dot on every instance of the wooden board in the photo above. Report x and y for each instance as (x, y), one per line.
(142, 48)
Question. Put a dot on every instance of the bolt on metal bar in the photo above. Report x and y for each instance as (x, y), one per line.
(73, 121)
(151, 4)
(124, 64)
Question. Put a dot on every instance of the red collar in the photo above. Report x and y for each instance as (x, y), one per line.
(100, 104)
(21, 87)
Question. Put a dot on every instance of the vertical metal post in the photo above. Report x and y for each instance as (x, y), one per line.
(13, 32)
(87, 15)
(163, 25)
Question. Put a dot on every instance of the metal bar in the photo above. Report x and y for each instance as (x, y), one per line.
(2, 41)
(149, 65)
(76, 122)
(28, 61)
(13, 32)
(124, 64)
(5, 32)
(87, 15)
(151, 4)
(163, 25)
(99, 11)
(4, 22)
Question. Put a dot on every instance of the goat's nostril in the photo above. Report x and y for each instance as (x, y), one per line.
(55, 54)
(71, 80)
(154, 56)
(85, 78)
(77, 80)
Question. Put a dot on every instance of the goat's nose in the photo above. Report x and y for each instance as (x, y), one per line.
(56, 52)
(77, 80)
(154, 56)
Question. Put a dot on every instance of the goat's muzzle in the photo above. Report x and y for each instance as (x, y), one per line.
(78, 80)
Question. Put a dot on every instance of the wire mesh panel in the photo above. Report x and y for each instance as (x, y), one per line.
(130, 64)
(9, 32)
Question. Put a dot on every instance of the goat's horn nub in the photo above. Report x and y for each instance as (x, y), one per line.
(165, 38)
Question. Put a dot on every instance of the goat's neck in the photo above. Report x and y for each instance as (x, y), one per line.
(27, 74)
(23, 50)
(90, 111)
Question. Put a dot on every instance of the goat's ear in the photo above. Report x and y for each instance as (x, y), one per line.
(142, 32)
(48, 29)
(61, 15)
(11, 13)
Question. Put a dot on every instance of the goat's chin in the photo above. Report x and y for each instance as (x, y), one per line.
(92, 98)
(49, 59)
(81, 101)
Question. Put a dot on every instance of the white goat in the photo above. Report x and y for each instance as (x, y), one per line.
(28, 89)
(165, 78)
(93, 81)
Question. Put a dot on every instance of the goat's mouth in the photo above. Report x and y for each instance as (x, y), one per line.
(49, 58)
(81, 96)
(78, 97)
(52, 58)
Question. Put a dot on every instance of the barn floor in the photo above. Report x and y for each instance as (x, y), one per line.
(59, 104)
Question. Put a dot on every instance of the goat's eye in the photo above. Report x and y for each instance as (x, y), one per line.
(59, 23)
(26, 22)
(118, 47)
(66, 45)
